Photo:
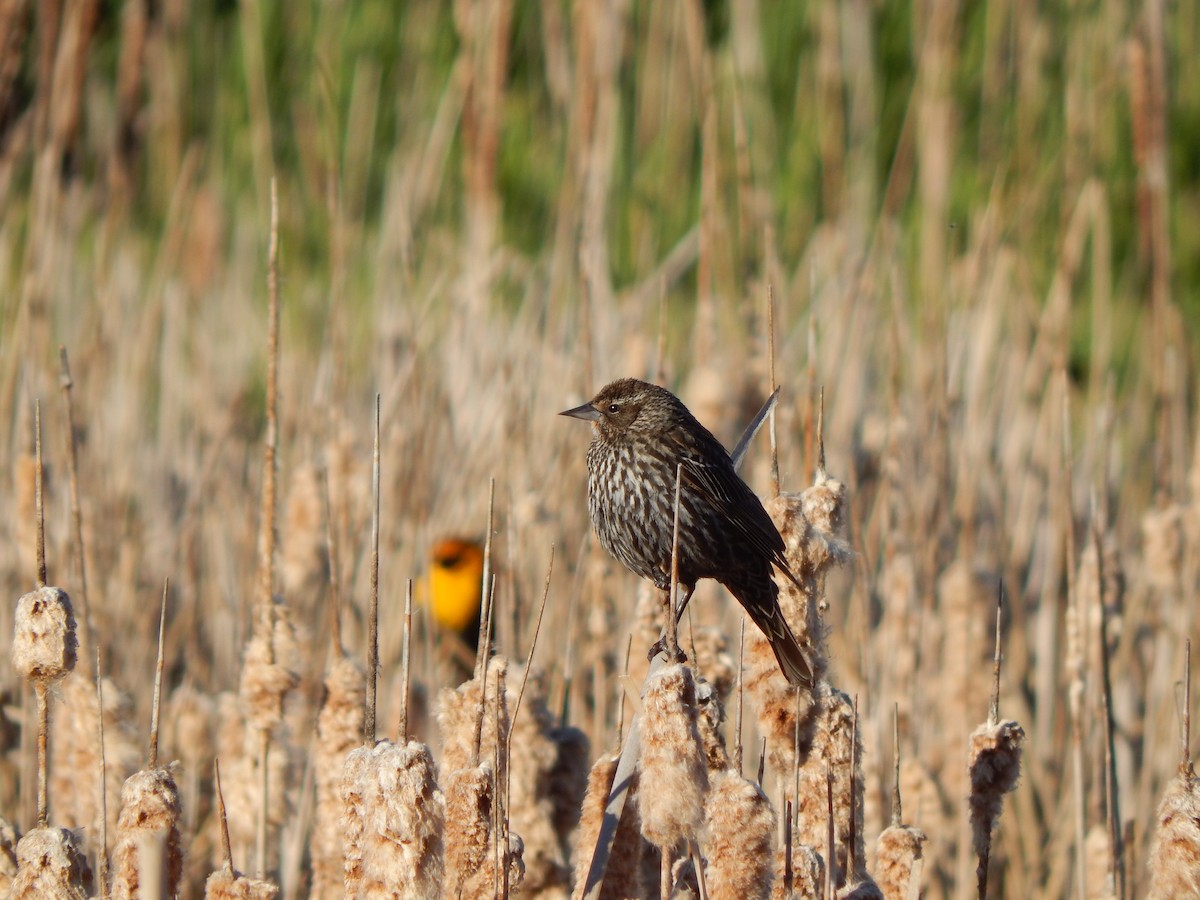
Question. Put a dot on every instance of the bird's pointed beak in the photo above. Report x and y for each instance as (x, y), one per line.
(587, 411)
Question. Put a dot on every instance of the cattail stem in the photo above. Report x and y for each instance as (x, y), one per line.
(102, 852)
(773, 387)
(37, 498)
(405, 665)
(264, 784)
(66, 384)
(43, 740)
(373, 614)
(226, 849)
(158, 675)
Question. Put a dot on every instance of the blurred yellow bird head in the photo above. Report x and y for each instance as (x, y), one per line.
(455, 583)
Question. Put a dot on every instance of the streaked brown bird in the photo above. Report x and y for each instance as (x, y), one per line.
(641, 432)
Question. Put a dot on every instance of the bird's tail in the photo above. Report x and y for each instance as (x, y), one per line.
(763, 608)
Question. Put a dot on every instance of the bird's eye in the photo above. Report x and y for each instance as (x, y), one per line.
(614, 407)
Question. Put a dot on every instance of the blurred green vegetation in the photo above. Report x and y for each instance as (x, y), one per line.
(353, 88)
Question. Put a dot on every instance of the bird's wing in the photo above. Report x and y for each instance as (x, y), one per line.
(709, 471)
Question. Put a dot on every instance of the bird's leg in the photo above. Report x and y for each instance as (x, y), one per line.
(670, 643)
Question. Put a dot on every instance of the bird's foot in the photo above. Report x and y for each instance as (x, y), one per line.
(660, 646)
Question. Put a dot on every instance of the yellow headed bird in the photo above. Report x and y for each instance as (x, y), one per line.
(455, 583)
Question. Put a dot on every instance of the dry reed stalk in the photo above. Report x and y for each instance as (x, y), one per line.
(672, 759)
(51, 862)
(739, 833)
(339, 730)
(622, 878)
(150, 804)
(393, 822)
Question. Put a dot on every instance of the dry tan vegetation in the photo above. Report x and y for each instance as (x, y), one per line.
(1008, 400)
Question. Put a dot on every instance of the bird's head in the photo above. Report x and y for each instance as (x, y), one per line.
(624, 407)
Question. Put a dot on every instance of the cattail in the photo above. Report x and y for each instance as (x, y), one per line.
(710, 715)
(470, 794)
(44, 642)
(8, 855)
(533, 806)
(1163, 544)
(339, 730)
(303, 562)
(51, 862)
(834, 750)
(569, 778)
(711, 658)
(994, 765)
(1174, 862)
(623, 874)
(226, 885)
(149, 805)
(269, 668)
(899, 861)
(468, 723)
(75, 756)
(739, 831)
(393, 822)
(804, 879)
(812, 548)
(241, 772)
(1097, 851)
(672, 759)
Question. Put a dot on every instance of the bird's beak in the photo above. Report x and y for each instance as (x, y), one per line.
(587, 411)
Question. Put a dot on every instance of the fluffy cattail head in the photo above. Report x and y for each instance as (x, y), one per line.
(227, 885)
(149, 805)
(44, 643)
(739, 831)
(994, 764)
(898, 861)
(51, 862)
(672, 759)
(1175, 855)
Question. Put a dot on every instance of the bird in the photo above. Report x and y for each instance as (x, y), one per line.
(642, 434)
(455, 582)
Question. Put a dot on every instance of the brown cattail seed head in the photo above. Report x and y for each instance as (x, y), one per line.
(1175, 854)
(8, 855)
(994, 766)
(149, 804)
(44, 642)
(898, 860)
(672, 759)
(739, 831)
(51, 862)
(226, 885)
